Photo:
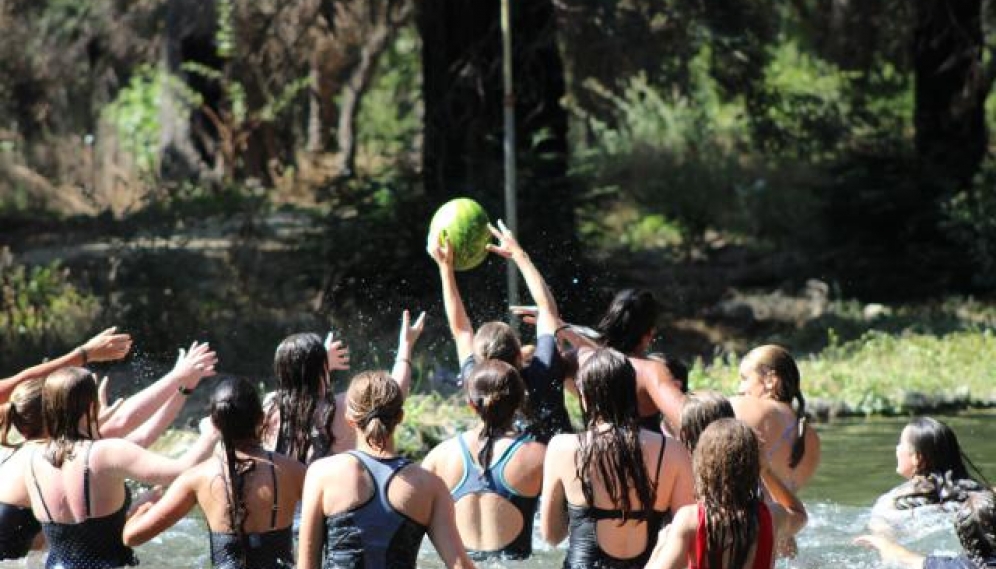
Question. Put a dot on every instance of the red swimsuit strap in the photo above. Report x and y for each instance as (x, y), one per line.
(765, 541)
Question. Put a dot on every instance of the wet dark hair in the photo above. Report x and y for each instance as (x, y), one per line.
(700, 410)
(69, 396)
(630, 316)
(727, 468)
(23, 411)
(238, 415)
(607, 382)
(497, 392)
(303, 380)
(942, 474)
(975, 524)
(375, 402)
(777, 360)
(497, 341)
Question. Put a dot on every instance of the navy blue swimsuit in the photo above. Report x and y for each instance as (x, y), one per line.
(94, 543)
(373, 535)
(476, 481)
(544, 379)
(262, 550)
(18, 527)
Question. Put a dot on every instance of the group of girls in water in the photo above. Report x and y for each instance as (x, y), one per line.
(305, 476)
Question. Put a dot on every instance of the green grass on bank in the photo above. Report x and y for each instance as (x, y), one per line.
(881, 373)
(878, 373)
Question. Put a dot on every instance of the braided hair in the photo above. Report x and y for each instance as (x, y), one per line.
(496, 392)
(237, 414)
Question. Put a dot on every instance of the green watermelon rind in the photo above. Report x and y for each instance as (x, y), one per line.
(467, 231)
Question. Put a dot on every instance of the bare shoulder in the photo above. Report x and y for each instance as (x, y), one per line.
(533, 450)
(445, 455)
(560, 444)
(686, 519)
(335, 466)
(288, 464)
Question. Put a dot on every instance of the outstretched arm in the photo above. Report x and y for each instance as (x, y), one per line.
(104, 347)
(456, 314)
(151, 519)
(891, 551)
(191, 366)
(402, 370)
(547, 317)
(796, 516)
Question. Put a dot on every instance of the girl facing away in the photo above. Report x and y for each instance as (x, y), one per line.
(544, 374)
(305, 418)
(247, 494)
(629, 325)
(370, 508)
(493, 471)
(139, 419)
(75, 478)
(614, 485)
(769, 386)
(730, 526)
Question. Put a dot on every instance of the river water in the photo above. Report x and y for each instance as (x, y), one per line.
(858, 465)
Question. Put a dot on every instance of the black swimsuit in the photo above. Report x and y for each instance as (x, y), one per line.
(18, 527)
(265, 550)
(373, 535)
(583, 551)
(94, 543)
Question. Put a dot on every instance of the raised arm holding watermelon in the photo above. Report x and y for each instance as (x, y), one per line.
(544, 374)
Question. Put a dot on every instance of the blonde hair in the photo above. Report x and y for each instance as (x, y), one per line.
(375, 403)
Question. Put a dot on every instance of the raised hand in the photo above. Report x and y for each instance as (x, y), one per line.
(195, 363)
(338, 353)
(106, 410)
(441, 252)
(410, 332)
(507, 246)
(107, 346)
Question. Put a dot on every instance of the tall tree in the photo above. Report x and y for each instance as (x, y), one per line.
(462, 86)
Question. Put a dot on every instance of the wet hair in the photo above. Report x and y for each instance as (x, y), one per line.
(238, 415)
(942, 474)
(975, 524)
(69, 396)
(23, 411)
(375, 402)
(497, 341)
(677, 368)
(700, 410)
(607, 382)
(727, 469)
(630, 316)
(776, 359)
(497, 392)
(303, 380)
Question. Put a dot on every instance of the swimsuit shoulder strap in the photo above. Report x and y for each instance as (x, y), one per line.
(660, 460)
(34, 477)
(86, 479)
(276, 495)
(468, 460)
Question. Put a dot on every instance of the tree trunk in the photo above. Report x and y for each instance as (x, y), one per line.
(463, 94)
(950, 91)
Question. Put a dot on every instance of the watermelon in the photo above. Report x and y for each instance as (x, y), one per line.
(464, 222)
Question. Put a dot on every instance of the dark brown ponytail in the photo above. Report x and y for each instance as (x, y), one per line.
(496, 391)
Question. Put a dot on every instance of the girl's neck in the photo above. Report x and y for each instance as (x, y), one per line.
(387, 451)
